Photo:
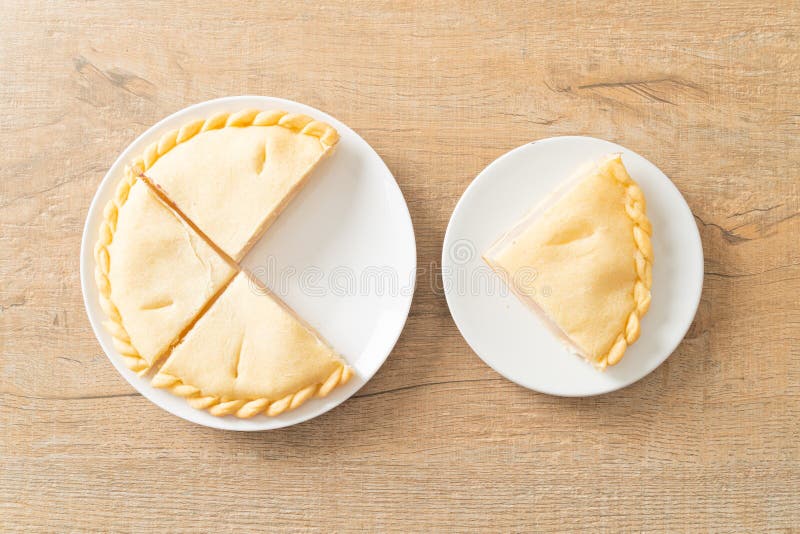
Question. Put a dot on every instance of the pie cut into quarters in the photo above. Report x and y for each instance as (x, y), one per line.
(249, 354)
(177, 304)
(582, 261)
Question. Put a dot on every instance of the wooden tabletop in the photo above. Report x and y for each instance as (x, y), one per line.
(437, 440)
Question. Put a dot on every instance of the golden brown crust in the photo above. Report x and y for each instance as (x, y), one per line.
(636, 209)
(122, 341)
(245, 408)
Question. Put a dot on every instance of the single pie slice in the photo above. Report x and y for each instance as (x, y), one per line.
(583, 261)
(234, 173)
(251, 354)
(153, 272)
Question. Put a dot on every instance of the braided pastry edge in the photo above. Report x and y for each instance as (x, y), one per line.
(246, 408)
(119, 336)
(295, 122)
(636, 209)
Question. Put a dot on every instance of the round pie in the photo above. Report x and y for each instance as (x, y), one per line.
(177, 303)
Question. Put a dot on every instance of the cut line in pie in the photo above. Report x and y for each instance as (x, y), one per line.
(582, 261)
(154, 274)
(250, 354)
(232, 175)
(189, 207)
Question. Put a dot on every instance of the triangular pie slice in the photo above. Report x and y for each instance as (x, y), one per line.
(250, 354)
(583, 261)
(153, 272)
(234, 173)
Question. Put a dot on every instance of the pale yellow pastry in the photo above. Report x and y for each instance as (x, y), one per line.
(583, 261)
(153, 272)
(200, 193)
(233, 174)
(250, 354)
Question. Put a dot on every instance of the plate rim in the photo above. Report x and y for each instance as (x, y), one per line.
(445, 260)
(142, 385)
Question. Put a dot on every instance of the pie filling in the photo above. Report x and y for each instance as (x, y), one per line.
(547, 321)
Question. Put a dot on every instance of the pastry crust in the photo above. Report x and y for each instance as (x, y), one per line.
(233, 174)
(153, 309)
(244, 408)
(590, 247)
(154, 274)
(251, 354)
(636, 208)
(119, 335)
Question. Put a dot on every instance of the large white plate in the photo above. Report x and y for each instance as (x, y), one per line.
(502, 331)
(342, 255)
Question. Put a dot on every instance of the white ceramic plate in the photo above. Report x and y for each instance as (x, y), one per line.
(502, 331)
(342, 255)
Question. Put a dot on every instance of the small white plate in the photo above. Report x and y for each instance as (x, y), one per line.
(508, 336)
(342, 255)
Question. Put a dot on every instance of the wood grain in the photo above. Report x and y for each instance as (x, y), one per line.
(437, 440)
